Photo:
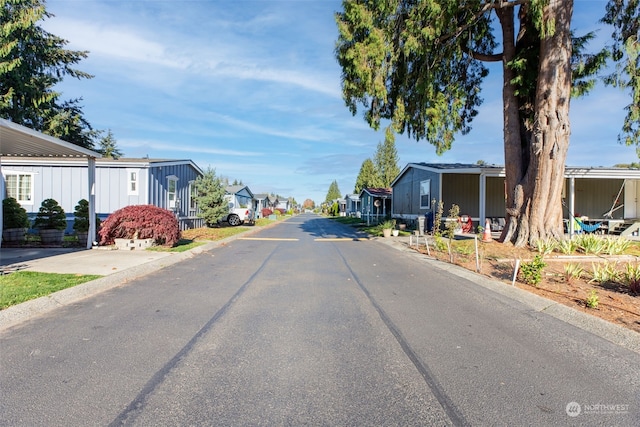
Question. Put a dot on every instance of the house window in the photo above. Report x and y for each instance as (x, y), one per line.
(20, 187)
(172, 189)
(132, 185)
(193, 205)
(425, 194)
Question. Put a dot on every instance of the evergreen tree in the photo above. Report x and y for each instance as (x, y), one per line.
(32, 62)
(386, 159)
(108, 148)
(210, 192)
(367, 177)
(333, 193)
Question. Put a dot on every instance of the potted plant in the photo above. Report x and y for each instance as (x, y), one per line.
(81, 222)
(51, 221)
(14, 221)
(387, 226)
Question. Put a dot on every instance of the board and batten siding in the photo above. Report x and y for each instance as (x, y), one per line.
(462, 190)
(158, 184)
(112, 188)
(594, 197)
(406, 192)
(496, 205)
(66, 185)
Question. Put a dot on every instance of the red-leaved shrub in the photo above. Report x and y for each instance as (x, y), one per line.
(266, 212)
(141, 222)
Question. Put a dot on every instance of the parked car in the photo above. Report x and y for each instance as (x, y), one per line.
(238, 216)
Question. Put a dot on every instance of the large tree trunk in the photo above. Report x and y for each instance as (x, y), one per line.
(511, 132)
(534, 204)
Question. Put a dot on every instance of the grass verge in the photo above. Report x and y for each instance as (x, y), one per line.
(23, 286)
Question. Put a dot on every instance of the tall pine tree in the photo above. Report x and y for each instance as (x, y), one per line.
(368, 177)
(32, 62)
(386, 159)
(333, 193)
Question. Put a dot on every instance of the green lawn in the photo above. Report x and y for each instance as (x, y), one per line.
(23, 286)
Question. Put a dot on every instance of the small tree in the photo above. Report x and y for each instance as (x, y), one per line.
(81, 214)
(209, 196)
(107, 146)
(367, 177)
(141, 222)
(13, 215)
(333, 193)
(51, 216)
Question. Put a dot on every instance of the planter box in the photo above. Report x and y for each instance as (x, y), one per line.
(51, 237)
(82, 236)
(13, 235)
(132, 244)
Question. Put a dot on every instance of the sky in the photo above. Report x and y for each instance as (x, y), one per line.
(252, 89)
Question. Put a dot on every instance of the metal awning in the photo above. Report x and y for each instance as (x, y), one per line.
(19, 141)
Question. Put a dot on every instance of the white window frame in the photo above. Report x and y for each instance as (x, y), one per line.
(133, 182)
(172, 203)
(425, 190)
(7, 173)
(193, 205)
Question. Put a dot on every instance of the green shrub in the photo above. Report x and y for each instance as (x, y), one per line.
(51, 216)
(616, 246)
(631, 277)
(567, 246)
(546, 246)
(13, 215)
(81, 214)
(592, 300)
(573, 272)
(590, 243)
(532, 271)
(606, 272)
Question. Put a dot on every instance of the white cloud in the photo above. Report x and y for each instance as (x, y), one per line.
(163, 146)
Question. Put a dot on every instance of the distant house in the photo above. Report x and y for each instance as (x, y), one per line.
(352, 204)
(284, 204)
(375, 204)
(261, 202)
(608, 194)
(119, 183)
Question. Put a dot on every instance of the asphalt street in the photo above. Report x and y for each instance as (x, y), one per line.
(307, 323)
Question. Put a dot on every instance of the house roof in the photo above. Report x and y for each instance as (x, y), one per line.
(235, 189)
(496, 170)
(377, 192)
(20, 141)
(104, 162)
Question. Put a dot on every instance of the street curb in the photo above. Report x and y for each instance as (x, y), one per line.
(17, 314)
(616, 334)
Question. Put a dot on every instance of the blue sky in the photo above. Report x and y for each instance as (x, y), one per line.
(252, 89)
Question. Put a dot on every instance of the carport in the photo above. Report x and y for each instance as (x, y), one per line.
(20, 141)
